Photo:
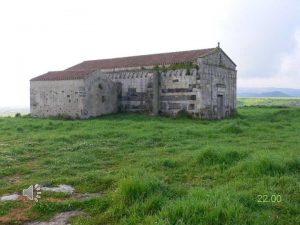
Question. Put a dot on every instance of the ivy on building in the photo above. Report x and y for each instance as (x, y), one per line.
(188, 66)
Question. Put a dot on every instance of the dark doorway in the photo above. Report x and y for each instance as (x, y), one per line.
(220, 106)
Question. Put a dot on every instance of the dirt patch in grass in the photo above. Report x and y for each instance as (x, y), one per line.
(15, 179)
(17, 214)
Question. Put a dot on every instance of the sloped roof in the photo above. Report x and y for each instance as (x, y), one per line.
(64, 75)
(83, 69)
(143, 60)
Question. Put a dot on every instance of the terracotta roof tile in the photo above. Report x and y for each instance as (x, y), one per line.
(143, 60)
(83, 69)
(64, 75)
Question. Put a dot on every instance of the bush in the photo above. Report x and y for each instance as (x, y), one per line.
(18, 115)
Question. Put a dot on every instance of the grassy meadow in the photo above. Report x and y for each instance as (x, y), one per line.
(269, 101)
(157, 170)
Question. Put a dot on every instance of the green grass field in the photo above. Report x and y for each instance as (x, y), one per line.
(157, 170)
(270, 101)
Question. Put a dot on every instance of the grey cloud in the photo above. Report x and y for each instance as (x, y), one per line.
(260, 33)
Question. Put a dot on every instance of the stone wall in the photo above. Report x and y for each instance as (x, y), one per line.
(164, 92)
(137, 90)
(83, 98)
(217, 77)
(179, 92)
(101, 96)
(57, 98)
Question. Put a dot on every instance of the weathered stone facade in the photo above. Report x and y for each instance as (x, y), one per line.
(205, 90)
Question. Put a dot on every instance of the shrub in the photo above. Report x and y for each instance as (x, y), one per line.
(18, 115)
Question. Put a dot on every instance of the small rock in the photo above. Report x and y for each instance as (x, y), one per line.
(47, 183)
(61, 188)
(12, 197)
(87, 195)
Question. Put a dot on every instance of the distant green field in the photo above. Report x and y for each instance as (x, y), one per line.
(157, 170)
(13, 111)
(6, 114)
(269, 101)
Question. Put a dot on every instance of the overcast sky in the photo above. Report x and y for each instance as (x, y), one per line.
(262, 37)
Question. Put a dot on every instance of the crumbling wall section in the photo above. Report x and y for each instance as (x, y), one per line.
(179, 92)
(137, 90)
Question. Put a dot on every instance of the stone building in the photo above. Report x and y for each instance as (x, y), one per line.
(199, 82)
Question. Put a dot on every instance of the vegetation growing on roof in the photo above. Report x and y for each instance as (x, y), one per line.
(187, 65)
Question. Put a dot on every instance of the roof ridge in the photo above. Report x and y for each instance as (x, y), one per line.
(77, 70)
(144, 60)
(152, 54)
